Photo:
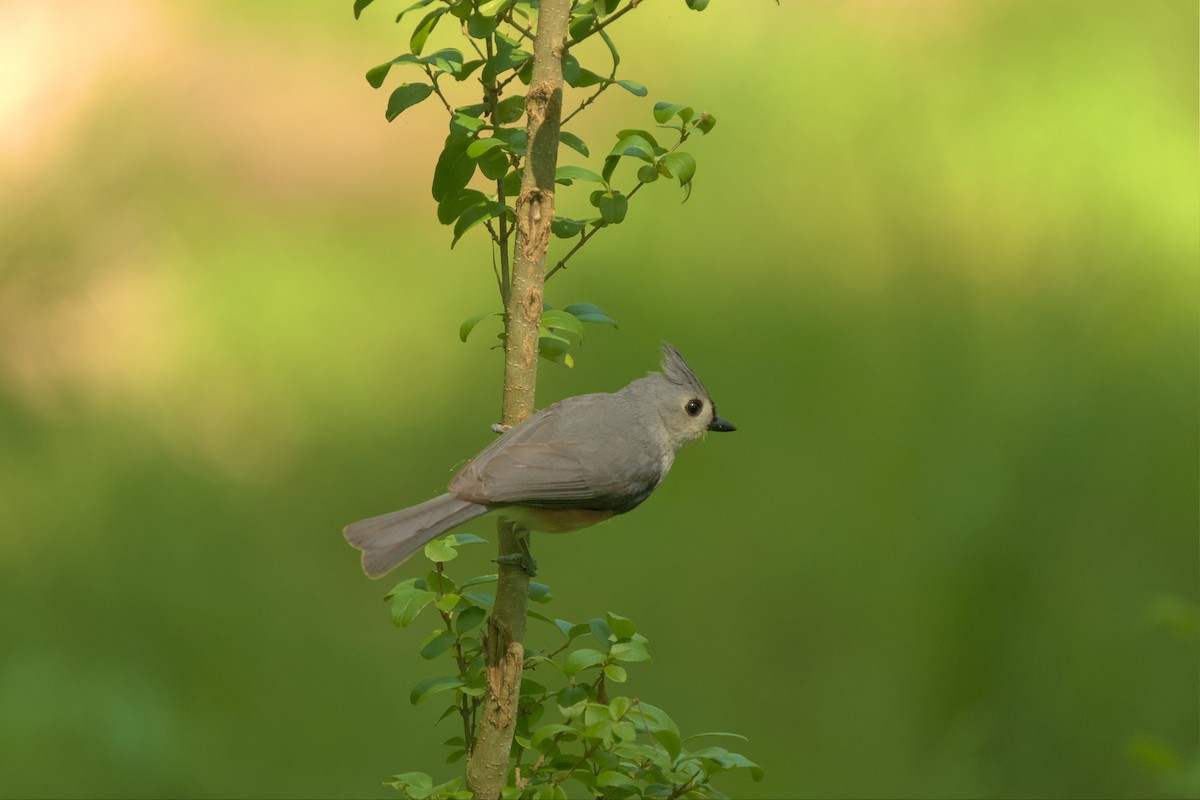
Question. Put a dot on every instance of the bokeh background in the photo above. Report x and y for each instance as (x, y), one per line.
(940, 267)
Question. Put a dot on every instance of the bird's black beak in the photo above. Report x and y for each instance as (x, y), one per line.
(721, 425)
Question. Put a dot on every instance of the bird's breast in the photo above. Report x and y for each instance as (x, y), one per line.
(555, 520)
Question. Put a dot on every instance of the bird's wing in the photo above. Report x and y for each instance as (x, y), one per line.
(551, 460)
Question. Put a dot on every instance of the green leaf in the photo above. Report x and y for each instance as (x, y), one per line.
(447, 60)
(613, 206)
(715, 733)
(664, 111)
(633, 87)
(565, 227)
(406, 96)
(413, 7)
(610, 777)
(485, 600)
(515, 137)
(621, 627)
(418, 779)
(438, 582)
(600, 631)
(469, 323)
(469, 619)
(475, 215)
(481, 146)
(647, 173)
(553, 347)
(652, 718)
(407, 602)
(643, 133)
(706, 122)
(546, 732)
(440, 550)
(570, 69)
(512, 182)
(437, 643)
(508, 56)
(632, 650)
(574, 142)
(555, 320)
(492, 8)
(476, 110)
(697, 5)
(580, 660)
(681, 165)
(375, 75)
(539, 592)
(467, 68)
(450, 208)
(425, 27)
(454, 169)
(493, 163)
(510, 109)
(669, 739)
(612, 48)
(590, 312)
(464, 126)
(571, 697)
(578, 173)
(571, 630)
(588, 78)
(616, 673)
(581, 26)
(634, 145)
(718, 759)
(431, 686)
(467, 538)
(448, 602)
(359, 5)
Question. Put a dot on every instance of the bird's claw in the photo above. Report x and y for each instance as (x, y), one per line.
(523, 560)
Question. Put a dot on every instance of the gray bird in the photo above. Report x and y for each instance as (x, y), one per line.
(570, 465)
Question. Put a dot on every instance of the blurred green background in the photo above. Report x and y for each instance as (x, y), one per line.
(940, 267)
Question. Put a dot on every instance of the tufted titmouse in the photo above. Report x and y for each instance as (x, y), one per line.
(570, 465)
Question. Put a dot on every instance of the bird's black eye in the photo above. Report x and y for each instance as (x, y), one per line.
(693, 407)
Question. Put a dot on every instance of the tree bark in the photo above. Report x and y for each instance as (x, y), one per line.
(487, 768)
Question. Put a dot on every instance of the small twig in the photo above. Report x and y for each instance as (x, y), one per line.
(448, 620)
(611, 19)
(587, 753)
(437, 89)
(492, 95)
(589, 100)
(551, 654)
(525, 32)
(495, 269)
(586, 236)
(471, 39)
(554, 740)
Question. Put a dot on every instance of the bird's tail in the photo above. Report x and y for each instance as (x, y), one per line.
(387, 540)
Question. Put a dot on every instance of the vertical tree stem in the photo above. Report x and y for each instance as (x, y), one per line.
(487, 767)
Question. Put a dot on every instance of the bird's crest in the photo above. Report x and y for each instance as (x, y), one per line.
(677, 371)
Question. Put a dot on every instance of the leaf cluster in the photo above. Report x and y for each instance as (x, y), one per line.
(481, 87)
(574, 735)
(559, 329)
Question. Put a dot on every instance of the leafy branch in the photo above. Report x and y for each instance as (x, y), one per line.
(486, 138)
(582, 740)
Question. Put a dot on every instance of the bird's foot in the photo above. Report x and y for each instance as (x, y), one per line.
(523, 560)
(498, 427)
